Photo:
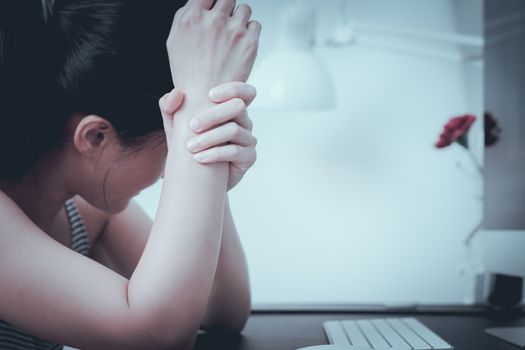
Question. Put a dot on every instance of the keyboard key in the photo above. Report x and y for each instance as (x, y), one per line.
(372, 334)
(408, 334)
(430, 337)
(335, 333)
(391, 335)
(354, 333)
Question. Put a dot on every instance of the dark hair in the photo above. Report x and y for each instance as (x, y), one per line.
(61, 57)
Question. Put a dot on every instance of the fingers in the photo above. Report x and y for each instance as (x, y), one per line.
(228, 91)
(228, 153)
(170, 102)
(254, 27)
(232, 109)
(244, 121)
(243, 13)
(225, 6)
(230, 132)
(200, 4)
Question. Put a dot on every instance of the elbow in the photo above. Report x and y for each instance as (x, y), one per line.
(234, 324)
(166, 334)
(242, 318)
(172, 341)
(230, 319)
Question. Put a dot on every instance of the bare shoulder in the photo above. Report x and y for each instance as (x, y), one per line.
(11, 213)
(17, 228)
(94, 219)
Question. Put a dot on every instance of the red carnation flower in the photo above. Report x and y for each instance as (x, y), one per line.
(492, 130)
(456, 131)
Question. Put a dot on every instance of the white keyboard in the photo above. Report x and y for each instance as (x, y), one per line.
(384, 333)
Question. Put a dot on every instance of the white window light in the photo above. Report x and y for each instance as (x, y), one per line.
(292, 77)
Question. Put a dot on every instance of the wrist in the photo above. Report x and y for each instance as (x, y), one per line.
(195, 101)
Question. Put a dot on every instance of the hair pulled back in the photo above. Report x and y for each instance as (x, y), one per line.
(61, 57)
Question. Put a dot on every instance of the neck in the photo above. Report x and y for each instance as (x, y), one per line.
(42, 193)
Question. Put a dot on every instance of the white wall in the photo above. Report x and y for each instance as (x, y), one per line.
(355, 205)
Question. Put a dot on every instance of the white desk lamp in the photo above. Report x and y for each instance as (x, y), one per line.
(291, 77)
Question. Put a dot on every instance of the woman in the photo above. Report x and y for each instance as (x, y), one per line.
(81, 82)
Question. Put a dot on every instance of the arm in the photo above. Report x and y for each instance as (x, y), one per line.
(54, 293)
(62, 296)
(180, 257)
(59, 295)
(122, 242)
(186, 235)
(230, 301)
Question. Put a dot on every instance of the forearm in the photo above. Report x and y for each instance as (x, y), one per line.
(173, 279)
(229, 305)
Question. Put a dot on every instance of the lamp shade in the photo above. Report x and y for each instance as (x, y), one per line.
(292, 80)
(292, 77)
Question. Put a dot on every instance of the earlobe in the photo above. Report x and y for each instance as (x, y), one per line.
(91, 134)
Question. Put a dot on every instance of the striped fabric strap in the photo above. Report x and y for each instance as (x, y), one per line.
(14, 339)
(79, 237)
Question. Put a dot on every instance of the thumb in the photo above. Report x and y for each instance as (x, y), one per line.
(170, 102)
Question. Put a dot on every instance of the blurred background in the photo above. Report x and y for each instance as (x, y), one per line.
(350, 201)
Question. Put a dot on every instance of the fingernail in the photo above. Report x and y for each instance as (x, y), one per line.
(200, 156)
(214, 93)
(195, 125)
(172, 95)
(192, 144)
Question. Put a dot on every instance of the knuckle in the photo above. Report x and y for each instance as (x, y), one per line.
(190, 17)
(236, 130)
(178, 14)
(245, 9)
(243, 6)
(248, 9)
(239, 105)
(236, 150)
(219, 17)
(255, 141)
(253, 91)
(237, 31)
(231, 129)
(248, 122)
(258, 26)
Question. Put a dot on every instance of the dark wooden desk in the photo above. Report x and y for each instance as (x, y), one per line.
(289, 330)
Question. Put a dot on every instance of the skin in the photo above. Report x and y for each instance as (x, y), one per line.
(152, 284)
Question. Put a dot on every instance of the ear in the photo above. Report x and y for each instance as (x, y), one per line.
(92, 134)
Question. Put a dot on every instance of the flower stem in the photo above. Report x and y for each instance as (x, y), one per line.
(475, 161)
(472, 234)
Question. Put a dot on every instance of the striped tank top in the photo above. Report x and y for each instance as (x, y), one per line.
(14, 339)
